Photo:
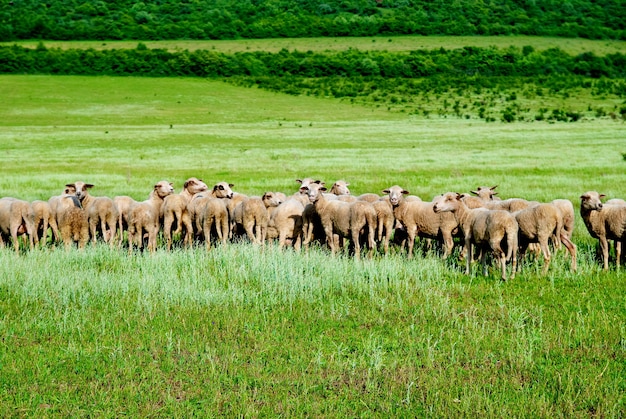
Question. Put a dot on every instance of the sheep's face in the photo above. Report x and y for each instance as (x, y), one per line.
(340, 188)
(591, 201)
(194, 186)
(164, 188)
(448, 202)
(82, 189)
(223, 190)
(395, 194)
(70, 190)
(314, 191)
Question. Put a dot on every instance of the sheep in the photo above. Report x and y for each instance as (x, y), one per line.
(344, 219)
(511, 204)
(253, 217)
(123, 204)
(537, 224)
(42, 221)
(386, 221)
(285, 223)
(486, 229)
(16, 219)
(418, 219)
(209, 212)
(604, 222)
(72, 221)
(145, 216)
(213, 216)
(368, 197)
(340, 191)
(54, 202)
(102, 214)
(174, 211)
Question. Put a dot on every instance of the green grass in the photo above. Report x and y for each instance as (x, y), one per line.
(391, 43)
(240, 331)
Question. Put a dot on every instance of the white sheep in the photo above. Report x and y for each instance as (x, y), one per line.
(285, 223)
(487, 229)
(123, 203)
(537, 224)
(145, 217)
(16, 219)
(419, 219)
(604, 222)
(486, 193)
(42, 221)
(174, 211)
(344, 219)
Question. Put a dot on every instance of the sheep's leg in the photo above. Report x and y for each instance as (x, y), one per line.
(546, 255)
(208, 225)
(225, 226)
(468, 251)
(356, 243)
(249, 227)
(167, 230)
(483, 261)
(618, 253)
(448, 244)
(604, 246)
(411, 233)
(16, 243)
(571, 247)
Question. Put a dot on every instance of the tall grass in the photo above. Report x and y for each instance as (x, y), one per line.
(249, 331)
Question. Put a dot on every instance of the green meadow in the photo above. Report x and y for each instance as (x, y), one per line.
(259, 332)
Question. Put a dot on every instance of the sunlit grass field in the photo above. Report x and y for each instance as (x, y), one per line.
(244, 331)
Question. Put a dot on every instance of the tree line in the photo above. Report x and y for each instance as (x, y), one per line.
(232, 19)
(460, 62)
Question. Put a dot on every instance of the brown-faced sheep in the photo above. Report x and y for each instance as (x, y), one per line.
(16, 219)
(344, 219)
(419, 219)
(604, 222)
(145, 217)
(537, 224)
(174, 211)
(72, 222)
(43, 220)
(486, 193)
(487, 229)
(285, 223)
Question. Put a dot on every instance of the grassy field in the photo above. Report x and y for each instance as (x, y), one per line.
(392, 43)
(240, 331)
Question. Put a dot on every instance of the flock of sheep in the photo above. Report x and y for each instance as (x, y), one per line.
(199, 214)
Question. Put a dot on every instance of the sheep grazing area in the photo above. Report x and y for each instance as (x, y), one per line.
(258, 331)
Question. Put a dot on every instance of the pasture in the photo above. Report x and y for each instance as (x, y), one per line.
(243, 331)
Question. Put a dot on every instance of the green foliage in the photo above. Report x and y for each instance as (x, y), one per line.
(231, 19)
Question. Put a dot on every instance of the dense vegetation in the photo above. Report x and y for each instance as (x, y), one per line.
(487, 83)
(231, 19)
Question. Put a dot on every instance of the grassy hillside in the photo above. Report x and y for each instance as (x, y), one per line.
(243, 331)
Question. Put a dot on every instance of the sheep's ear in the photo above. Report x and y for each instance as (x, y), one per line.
(187, 183)
(347, 184)
(299, 181)
(323, 189)
(474, 192)
(405, 192)
(493, 187)
(494, 194)
(88, 185)
(458, 196)
(386, 191)
(584, 196)
(171, 184)
(602, 196)
(230, 185)
(70, 185)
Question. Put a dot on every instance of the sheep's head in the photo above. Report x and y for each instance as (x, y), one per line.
(81, 189)
(340, 188)
(164, 188)
(70, 189)
(591, 201)
(395, 194)
(314, 191)
(448, 202)
(223, 190)
(271, 199)
(308, 181)
(194, 185)
(485, 192)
